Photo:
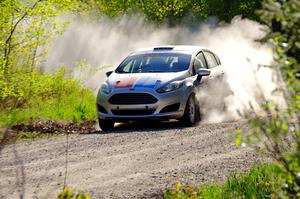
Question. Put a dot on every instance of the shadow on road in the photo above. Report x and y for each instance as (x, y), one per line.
(142, 126)
(20, 173)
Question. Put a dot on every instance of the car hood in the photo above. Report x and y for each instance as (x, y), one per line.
(143, 80)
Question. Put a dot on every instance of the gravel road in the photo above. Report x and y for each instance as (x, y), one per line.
(135, 161)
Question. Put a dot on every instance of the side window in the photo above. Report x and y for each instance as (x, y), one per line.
(211, 60)
(199, 62)
(127, 67)
(218, 60)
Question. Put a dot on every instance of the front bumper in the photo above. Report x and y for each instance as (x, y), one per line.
(178, 96)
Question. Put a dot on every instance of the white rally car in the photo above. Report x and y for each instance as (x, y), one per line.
(157, 83)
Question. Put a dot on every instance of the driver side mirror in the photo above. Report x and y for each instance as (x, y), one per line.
(109, 73)
(203, 72)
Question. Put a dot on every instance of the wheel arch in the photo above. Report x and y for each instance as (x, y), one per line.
(189, 92)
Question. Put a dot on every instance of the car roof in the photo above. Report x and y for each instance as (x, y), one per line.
(186, 49)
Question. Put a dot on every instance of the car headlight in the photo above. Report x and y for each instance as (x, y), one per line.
(105, 88)
(170, 87)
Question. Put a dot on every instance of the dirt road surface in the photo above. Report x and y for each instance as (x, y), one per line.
(135, 161)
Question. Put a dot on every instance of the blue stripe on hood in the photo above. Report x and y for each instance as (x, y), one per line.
(146, 82)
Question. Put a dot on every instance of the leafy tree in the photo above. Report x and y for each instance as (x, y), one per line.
(174, 11)
(155, 10)
(280, 131)
(26, 27)
(227, 9)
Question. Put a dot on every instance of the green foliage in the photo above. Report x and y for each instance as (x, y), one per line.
(26, 27)
(46, 96)
(260, 182)
(280, 130)
(68, 193)
(174, 11)
(26, 92)
(227, 9)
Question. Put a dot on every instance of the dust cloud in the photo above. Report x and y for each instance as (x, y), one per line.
(106, 42)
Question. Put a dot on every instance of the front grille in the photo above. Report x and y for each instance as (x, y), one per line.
(132, 98)
(133, 112)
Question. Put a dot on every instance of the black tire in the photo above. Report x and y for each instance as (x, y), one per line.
(191, 113)
(106, 125)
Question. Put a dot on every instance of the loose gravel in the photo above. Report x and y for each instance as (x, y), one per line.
(137, 160)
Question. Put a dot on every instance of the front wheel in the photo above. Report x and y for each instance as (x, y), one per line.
(106, 125)
(191, 113)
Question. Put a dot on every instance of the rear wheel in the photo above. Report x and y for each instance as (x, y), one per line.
(106, 125)
(191, 113)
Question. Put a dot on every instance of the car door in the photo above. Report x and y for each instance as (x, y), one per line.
(218, 80)
(214, 65)
(200, 62)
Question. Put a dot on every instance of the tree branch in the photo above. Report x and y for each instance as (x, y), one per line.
(8, 40)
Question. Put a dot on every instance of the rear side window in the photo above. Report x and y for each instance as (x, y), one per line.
(211, 60)
(218, 60)
(199, 62)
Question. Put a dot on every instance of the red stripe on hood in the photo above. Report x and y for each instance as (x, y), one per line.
(126, 82)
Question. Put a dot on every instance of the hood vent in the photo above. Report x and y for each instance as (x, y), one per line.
(163, 48)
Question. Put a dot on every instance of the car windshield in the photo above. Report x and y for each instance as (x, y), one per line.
(155, 63)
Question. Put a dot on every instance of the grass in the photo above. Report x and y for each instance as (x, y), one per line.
(259, 182)
(77, 106)
(50, 97)
(71, 108)
(69, 193)
(38, 96)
